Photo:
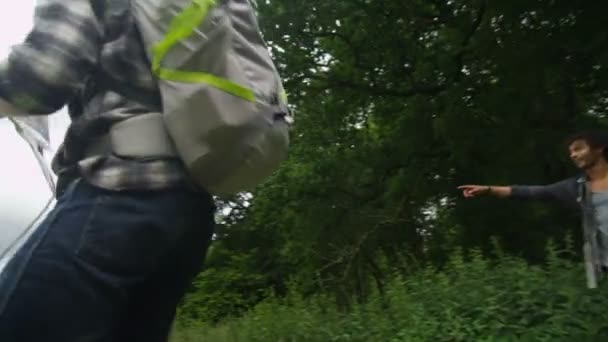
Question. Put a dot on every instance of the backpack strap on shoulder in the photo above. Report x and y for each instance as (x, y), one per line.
(593, 268)
(581, 187)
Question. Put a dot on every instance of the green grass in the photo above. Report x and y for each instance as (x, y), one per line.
(198, 334)
(472, 299)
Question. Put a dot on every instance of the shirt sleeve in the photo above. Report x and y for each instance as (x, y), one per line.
(41, 74)
(555, 192)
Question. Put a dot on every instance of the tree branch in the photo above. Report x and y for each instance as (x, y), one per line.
(467, 40)
(421, 89)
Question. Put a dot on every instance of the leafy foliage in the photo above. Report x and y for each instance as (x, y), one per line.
(472, 299)
(397, 103)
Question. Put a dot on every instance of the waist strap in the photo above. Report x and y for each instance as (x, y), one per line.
(143, 136)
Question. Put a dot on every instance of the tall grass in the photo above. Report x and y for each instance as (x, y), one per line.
(470, 299)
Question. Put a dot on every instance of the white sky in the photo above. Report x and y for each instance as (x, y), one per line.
(23, 190)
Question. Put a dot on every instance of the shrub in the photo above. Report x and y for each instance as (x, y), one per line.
(471, 298)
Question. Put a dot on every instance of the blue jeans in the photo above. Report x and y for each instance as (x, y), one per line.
(106, 266)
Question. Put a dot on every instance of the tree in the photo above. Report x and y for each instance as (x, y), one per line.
(397, 102)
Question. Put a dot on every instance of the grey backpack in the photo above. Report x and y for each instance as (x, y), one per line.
(225, 112)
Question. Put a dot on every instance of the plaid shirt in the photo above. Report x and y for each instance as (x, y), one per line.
(91, 58)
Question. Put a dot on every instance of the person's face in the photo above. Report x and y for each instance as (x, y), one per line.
(583, 155)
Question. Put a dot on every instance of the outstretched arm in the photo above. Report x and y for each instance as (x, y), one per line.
(58, 55)
(470, 191)
(562, 191)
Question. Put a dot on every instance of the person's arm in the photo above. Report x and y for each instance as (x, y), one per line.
(555, 191)
(40, 75)
(470, 191)
(499, 191)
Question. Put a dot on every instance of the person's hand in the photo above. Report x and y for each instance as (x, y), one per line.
(469, 191)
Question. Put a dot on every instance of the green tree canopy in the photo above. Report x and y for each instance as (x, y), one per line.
(397, 103)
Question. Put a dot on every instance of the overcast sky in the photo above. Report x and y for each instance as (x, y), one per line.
(23, 191)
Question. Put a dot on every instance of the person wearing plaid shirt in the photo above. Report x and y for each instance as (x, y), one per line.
(126, 237)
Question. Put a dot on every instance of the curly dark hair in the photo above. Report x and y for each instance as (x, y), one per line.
(594, 138)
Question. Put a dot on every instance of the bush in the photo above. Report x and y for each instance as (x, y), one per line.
(471, 299)
(220, 292)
